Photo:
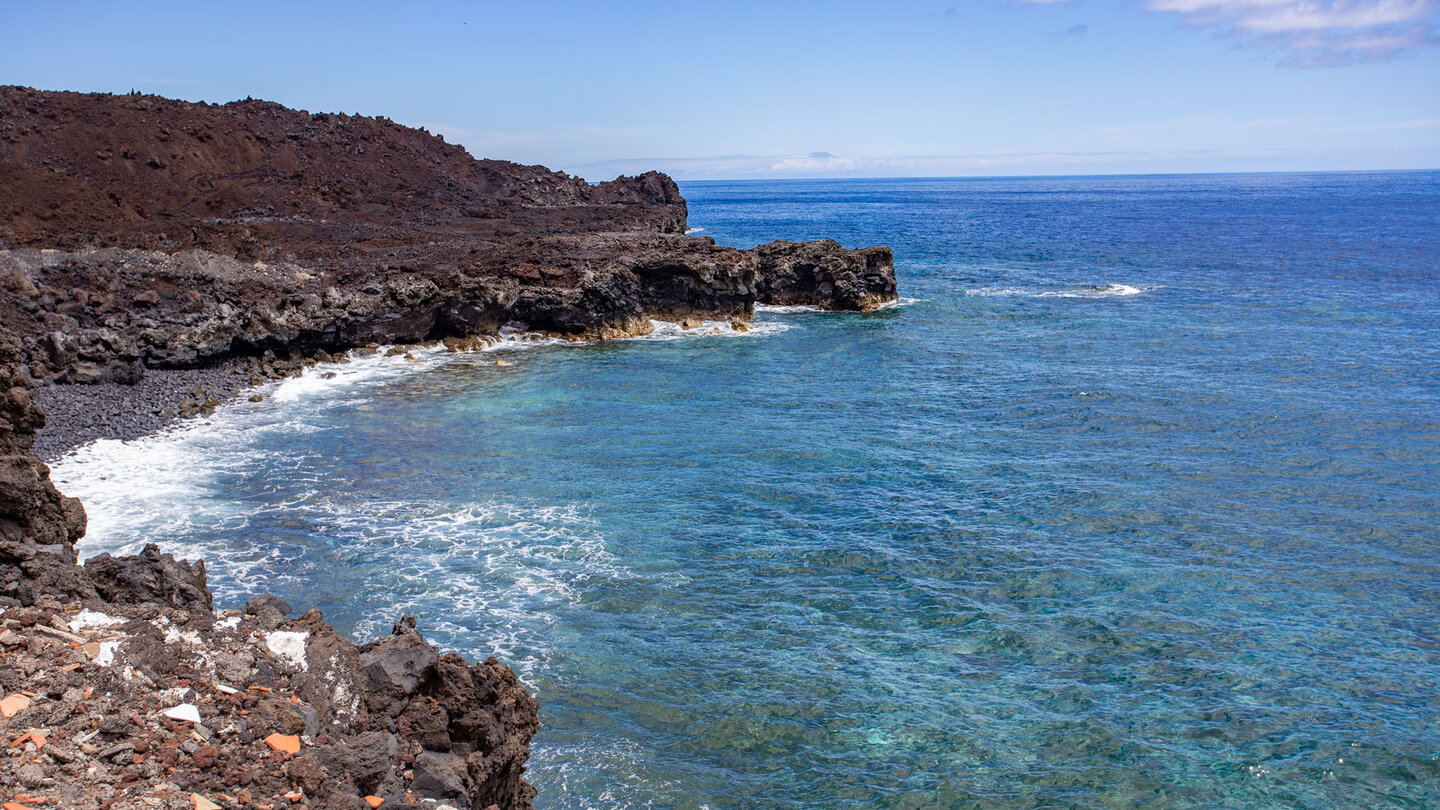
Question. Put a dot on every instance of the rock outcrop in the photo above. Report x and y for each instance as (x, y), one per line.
(38, 525)
(139, 232)
(823, 274)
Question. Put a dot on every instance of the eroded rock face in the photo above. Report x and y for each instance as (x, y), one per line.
(38, 525)
(139, 232)
(824, 275)
(473, 721)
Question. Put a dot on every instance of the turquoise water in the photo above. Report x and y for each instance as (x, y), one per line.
(1133, 503)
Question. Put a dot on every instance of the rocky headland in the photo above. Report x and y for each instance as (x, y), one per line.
(157, 257)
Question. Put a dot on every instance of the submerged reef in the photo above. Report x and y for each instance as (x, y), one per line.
(143, 236)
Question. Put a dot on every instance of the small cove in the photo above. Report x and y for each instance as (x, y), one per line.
(1031, 538)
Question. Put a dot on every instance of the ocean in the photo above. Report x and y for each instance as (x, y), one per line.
(1131, 501)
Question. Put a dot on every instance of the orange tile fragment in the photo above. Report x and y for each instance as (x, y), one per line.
(258, 688)
(288, 743)
(294, 797)
(374, 801)
(13, 704)
(294, 699)
(14, 806)
(34, 735)
(70, 668)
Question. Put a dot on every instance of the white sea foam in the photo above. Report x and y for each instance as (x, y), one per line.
(509, 565)
(792, 309)
(786, 309)
(902, 301)
(667, 330)
(505, 565)
(1073, 291)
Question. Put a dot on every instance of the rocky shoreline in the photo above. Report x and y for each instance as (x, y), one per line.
(159, 257)
(80, 414)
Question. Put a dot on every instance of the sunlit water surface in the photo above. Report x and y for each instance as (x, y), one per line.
(1133, 502)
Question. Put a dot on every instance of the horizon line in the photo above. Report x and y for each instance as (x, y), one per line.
(813, 179)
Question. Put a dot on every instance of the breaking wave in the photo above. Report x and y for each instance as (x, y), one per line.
(1068, 291)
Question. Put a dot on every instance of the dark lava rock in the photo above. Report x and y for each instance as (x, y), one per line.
(297, 240)
(38, 525)
(825, 275)
(441, 776)
(256, 604)
(490, 715)
(150, 577)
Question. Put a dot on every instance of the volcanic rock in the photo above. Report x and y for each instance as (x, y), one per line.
(825, 275)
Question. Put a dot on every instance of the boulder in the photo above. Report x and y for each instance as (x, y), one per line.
(150, 577)
(823, 274)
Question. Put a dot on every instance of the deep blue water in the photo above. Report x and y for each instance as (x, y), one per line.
(1134, 504)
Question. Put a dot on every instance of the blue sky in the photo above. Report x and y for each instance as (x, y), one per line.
(774, 89)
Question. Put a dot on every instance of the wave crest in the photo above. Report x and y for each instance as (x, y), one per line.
(1069, 291)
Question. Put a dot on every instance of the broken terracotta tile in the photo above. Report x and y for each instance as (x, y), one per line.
(199, 802)
(14, 806)
(34, 735)
(13, 704)
(374, 801)
(288, 743)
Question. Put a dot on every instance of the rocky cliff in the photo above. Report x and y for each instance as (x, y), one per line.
(140, 232)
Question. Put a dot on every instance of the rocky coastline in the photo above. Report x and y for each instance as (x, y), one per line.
(160, 257)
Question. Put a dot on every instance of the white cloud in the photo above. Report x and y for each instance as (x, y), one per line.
(1109, 162)
(813, 163)
(1317, 33)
